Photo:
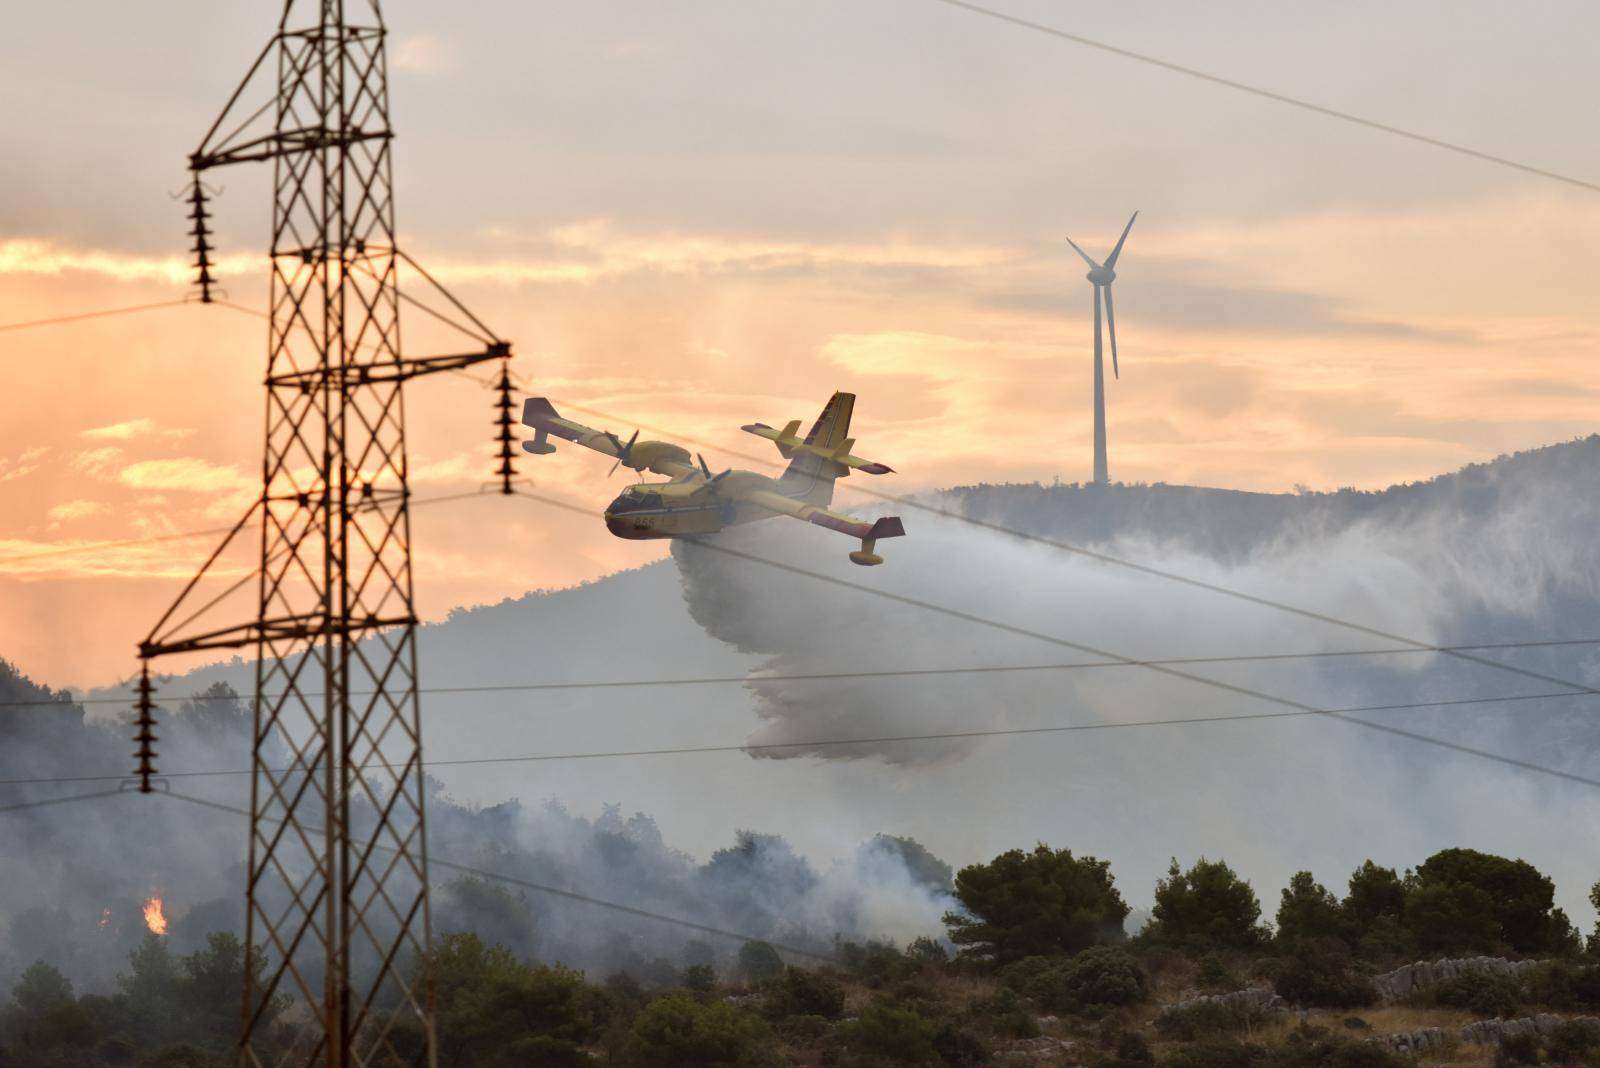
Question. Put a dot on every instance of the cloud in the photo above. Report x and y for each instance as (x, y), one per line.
(29, 256)
(120, 431)
(184, 473)
(78, 510)
(25, 464)
(421, 53)
(98, 462)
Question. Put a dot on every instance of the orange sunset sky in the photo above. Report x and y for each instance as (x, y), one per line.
(698, 214)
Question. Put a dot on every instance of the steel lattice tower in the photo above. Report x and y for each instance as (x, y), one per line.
(338, 921)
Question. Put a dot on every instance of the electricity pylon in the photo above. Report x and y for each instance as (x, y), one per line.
(338, 872)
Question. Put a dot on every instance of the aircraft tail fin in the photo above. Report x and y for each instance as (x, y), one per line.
(813, 468)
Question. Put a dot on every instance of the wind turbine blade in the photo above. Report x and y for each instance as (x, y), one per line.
(1111, 260)
(1082, 253)
(1111, 327)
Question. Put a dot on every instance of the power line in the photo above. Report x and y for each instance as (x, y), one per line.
(91, 315)
(998, 732)
(59, 800)
(96, 546)
(1131, 565)
(553, 891)
(1268, 94)
(1216, 684)
(832, 676)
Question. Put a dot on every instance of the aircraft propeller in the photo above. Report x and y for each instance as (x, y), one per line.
(624, 451)
(705, 469)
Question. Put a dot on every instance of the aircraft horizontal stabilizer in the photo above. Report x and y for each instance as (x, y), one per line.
(789, 444)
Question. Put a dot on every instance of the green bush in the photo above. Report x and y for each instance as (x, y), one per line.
(1316, 1047)
(701, 978)
(958, 1047)
(1004, 1014)
(1482, 993)
(1563, 985)
(680, 1031)
(1214, 1053)
(1323, 975)
(1573, 1041)
(875, 963)
(798, 992)
(1102, 975)
(1207, 1019)
(889, 1034)
(1036, 904)
(1129, 1051)
(758, 961)
(1517, 1050)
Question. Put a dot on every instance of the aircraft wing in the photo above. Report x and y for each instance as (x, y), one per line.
(888, 526)
(661, 457)
(790, 442)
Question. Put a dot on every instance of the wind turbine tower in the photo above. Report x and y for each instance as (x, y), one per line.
(1102, 275)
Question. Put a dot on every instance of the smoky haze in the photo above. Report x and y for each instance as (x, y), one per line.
(771, 842)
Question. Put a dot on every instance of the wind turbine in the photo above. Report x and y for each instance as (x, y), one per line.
(1102, 275)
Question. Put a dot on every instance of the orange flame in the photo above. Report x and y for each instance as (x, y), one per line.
(105, 917)
(154, 918)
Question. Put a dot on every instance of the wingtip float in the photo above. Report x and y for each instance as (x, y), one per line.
(695, 501)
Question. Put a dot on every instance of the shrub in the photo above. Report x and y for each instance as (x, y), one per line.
(1130, 1051)
(1561, 984)
(875, 963)
(680, 1031)
(758, 961)
(1207, 1019)
(1042, 903)
(1480, 992)
(886, 1033)
(1518, 1049)
(1573, 1040)
(1316, 1047)
(1323, 975)
(1207, 907)
(1103, 975)
(701, 978)
(1216, 1053)
(1004, 1014)
(959, 1047)
(801, 993)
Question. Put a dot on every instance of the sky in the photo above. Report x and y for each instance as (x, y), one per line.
(705, 213)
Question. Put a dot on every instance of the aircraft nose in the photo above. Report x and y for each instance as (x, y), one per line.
(621, 526)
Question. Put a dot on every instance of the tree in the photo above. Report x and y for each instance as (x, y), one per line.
(209, 988)
(1461, 899)
(45, 1016)
(680, 1031)
(1206, 907)
(1309, 913)
(1042, 903)
(1375, 893)
(493, 1009)
(925, 869)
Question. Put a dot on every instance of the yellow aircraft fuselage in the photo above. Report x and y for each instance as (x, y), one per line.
(694, 501)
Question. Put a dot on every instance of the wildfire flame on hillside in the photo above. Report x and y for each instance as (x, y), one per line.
(105, 917)
(154, 918)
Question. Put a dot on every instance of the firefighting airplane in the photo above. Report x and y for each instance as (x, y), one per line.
(697, 502)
